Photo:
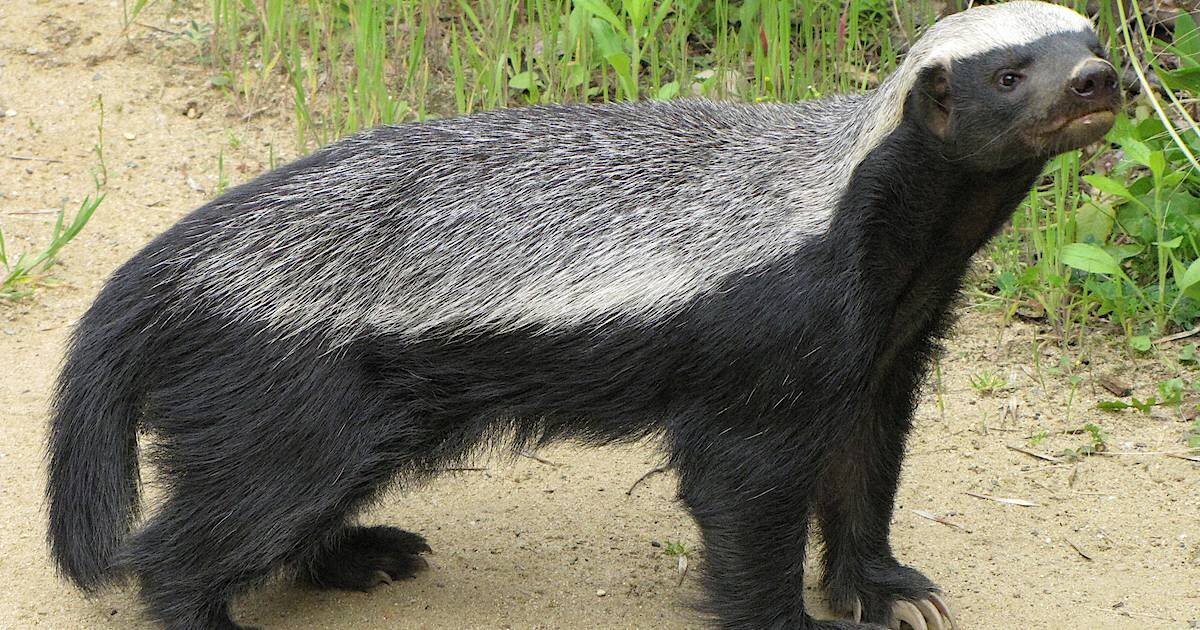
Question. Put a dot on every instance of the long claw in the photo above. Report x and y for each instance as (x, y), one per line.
(944, 607)
(933, 618)
(907, 613)
(857, 610)
(382, 577)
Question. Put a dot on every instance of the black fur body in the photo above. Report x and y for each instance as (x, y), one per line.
(781, 392)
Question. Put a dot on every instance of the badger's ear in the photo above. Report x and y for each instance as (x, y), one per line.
(930, 99)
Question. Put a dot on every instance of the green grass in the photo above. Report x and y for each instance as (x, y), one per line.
(1108, 240)
(22, 274)
(987, 382)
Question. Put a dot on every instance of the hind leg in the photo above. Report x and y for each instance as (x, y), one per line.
(265, 485)
(218, 536)
(359, 558)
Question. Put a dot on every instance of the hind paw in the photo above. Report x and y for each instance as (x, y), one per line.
(365, 557)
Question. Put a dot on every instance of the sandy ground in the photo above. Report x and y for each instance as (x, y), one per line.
(532, 544)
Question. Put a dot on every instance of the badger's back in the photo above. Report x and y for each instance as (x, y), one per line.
(535, 217)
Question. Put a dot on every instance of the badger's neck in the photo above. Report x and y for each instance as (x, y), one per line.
(912, 219)
(882, 110)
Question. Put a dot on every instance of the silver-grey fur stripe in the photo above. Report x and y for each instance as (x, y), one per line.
(555, 217)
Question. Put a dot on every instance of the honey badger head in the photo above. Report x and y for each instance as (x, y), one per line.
(1004, 84)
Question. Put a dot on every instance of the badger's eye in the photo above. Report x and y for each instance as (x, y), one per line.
(1008, 79)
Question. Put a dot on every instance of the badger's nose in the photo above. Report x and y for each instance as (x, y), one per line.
(1095, 80)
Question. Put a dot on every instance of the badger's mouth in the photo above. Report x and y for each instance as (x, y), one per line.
(1075, 131)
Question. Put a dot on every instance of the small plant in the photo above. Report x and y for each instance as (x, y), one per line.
(130, 12)
(1098, 443)
(100, 171)
(1039, 437)
(1193, 435)
(678, 551)
(1170, 394)
(20, 276)
(222, 176)
(987, 382)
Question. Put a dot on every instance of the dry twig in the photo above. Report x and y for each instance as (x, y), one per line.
(649, 473)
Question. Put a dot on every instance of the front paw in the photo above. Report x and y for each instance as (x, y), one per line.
(898, 597)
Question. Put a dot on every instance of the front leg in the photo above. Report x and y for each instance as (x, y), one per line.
(863, 579)
(751, 497)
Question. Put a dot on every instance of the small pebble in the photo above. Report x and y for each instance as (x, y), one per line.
(130, 136)
(601, 592)
(10, 113)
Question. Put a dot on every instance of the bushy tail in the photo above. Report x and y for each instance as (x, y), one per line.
(92, 489)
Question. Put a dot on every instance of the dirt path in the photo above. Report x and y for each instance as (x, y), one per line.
(528, 544)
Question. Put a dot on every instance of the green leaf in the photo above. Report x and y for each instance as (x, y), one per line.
(661, 14)
(1136, 151)
(1171, 244)
(1190, 283)
(1157, 164)
(1143, 407)
(667, 91)
(636, 10)
(1108, 185)
(606, 38)
(523, 81)
(1093, 223)
(1182, 79)
(601, 10)
(1171, 391)
(1187, 39)
(1112, 405)
(577, 74)
(1090, 258)
(621, 64)
(1141, 343)
(1173, 179)
(1123, 127)
(1123, 252)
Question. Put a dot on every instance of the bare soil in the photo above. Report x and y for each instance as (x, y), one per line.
(1112, 542)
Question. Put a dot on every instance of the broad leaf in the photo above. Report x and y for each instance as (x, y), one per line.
(1187, 40)
(601, 10)
(1090, 258)
(667, 91)
(1136, 151)
(1108, 186)
(1190, 283)
(523, 81)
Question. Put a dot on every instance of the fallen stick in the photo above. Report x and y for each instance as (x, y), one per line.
(652, 471)
(987, 497)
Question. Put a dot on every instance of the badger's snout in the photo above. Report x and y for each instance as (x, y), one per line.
(1085, 109)
(1095, 81)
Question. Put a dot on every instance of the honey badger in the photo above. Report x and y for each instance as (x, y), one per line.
(759, 286)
